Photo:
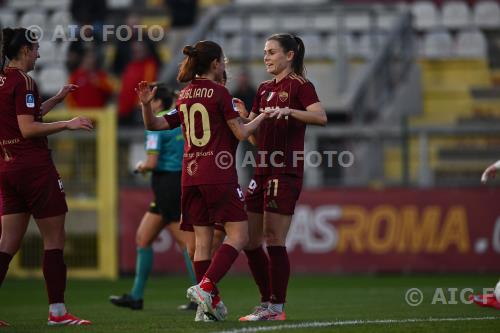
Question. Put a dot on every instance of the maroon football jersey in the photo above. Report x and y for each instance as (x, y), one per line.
(19, 96)
(281, 141)
(203, 108)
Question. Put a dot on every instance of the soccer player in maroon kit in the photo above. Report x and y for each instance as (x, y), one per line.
(291, 101)
(210, 190)
(29, 182)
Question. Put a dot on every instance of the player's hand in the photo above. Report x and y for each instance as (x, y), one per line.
(144, 93)
(140, 167)
(242, 110)
(278, 112)
(79, 123)
(65, 90)
(489, 173)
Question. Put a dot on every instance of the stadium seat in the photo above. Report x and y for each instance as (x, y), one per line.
(385, 20)
(8, 18)
(471, 44)
(438, 44)
(298, 24)
(51, 79)
(326, 22)
(425, 15)
(486, 15)
(369, 43)
(229, 24)
(55, 4)
(61, 52)
(34, 17)
(21, 4)
(61, 18)
(350, 46)
(233, 47)
(356, 22)
(455, 15)
(262, 24)
(48, 52)
(313, 45)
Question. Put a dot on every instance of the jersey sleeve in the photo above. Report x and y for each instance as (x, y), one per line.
(307, 94)
(26, 97)
(228, 108)
(173, 119)
(153, 142)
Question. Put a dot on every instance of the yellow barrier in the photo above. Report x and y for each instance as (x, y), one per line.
(99, 258)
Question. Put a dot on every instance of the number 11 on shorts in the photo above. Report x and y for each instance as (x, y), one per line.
(272, 185)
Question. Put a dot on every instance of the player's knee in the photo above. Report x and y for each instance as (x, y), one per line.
(273, 238)
(141, 241)
(240, 241)
(253, 243)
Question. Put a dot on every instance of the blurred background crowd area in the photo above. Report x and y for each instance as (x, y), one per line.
(410, 88)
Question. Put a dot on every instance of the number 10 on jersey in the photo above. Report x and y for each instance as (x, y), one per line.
(189, 116)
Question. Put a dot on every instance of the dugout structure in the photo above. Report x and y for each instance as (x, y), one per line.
(87, 165)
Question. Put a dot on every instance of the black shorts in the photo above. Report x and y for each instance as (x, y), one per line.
(166, 187)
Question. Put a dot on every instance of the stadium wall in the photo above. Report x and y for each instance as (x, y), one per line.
(362, 231)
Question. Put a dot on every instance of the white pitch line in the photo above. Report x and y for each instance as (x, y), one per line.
(350, 323)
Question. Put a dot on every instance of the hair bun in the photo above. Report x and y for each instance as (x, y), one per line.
(189, 51)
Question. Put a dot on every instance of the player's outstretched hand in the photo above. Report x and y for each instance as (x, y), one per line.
(240, 106)
(490, 172)
(80, 123)
(65, 90)
(278, 112)
(144, 93)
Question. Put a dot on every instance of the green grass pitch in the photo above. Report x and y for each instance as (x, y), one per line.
(332, 299)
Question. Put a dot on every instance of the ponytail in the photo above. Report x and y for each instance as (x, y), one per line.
(198, 59)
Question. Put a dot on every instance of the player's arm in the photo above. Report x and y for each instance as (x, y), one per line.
(151, 122)
(490, 172)
(31, 128)
(246, 117)
(57, 98)
(314, 114)
(149, 164)
(241, 130)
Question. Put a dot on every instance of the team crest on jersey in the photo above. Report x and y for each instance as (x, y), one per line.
(30, 101)
(192, 168)
(283, 96)
(270, 96)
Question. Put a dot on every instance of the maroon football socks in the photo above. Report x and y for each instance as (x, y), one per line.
(5, 259)
(280, 272)
(54, 272)
(221, 263)
(200, 268)
(259, 266)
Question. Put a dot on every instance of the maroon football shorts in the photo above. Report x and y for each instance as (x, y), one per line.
(36, 190)
(273, 193)
(184, 226)
(206, 205)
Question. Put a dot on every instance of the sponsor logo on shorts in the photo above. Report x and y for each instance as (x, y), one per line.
(30, 101)
(272, 204)
(61, 187)
(240, 194)
(252, 186)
